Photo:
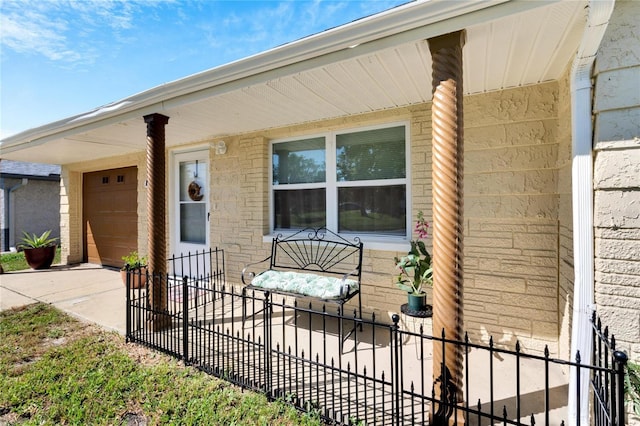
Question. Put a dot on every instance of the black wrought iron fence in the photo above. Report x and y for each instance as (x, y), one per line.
(608, 391)
(291, 350)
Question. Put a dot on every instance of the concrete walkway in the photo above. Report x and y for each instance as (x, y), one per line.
(88, 292)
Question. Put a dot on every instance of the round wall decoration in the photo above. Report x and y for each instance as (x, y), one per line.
(194, 191)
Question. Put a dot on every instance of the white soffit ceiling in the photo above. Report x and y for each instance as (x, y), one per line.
(528, 48)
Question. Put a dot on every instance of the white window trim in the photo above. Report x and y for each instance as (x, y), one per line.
(175, 156)
(374, 242)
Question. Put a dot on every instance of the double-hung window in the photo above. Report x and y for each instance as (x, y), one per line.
(350, 181)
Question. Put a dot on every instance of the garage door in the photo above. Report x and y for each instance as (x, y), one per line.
(110, 215)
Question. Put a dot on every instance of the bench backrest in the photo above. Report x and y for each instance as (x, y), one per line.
(317, 250)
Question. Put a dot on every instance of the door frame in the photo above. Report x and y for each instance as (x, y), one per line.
(134, 172)
(201, 152)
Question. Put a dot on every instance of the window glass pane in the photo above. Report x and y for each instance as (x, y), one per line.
(300, 161)
(371, 154)
(373, 209)
(192, 223)
(300, 209)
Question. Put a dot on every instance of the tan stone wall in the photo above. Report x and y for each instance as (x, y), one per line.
(240, 202)
(511, 209)
(70, 216)
(617, 249)
(617, 180)
(565, 217)
(617, 71)
(617, 230)
(617, 177)
(512, 216)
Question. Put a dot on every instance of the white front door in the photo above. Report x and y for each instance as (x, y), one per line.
(191, 195)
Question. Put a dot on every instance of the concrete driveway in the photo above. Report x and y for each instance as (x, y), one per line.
(88, 292)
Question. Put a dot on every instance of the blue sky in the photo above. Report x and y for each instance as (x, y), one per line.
(60, 58)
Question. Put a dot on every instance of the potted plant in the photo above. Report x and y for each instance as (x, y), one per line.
(39, 251)
(415, 269)
(137, 266)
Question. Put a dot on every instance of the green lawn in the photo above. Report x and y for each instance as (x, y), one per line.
(17, 262)
(56, 370)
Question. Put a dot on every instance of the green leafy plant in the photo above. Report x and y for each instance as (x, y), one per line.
(34, 241)
(134, 261)
(415, 269)
(632, 385)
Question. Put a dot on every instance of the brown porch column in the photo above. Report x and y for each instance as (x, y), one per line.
(156, 215)
(447, 158)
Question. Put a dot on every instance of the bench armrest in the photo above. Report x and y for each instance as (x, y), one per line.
(352, 273)
(249, 273)
(345, 277)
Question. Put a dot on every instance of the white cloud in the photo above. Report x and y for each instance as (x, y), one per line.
(58, 30)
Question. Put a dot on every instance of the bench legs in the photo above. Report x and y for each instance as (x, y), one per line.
(268, 305)
(341, 319)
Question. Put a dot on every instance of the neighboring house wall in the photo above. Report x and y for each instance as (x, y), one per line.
(36, 208)
(617, 177)
(29, 201)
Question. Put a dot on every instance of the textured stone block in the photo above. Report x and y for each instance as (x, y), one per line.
(547, 329)
(527, 103)
(538, 303)
(518, 323)
(617, 125)
(512, 206)
(623, 322)
(617, 267)
(629, 290)
(500, 283)
(618, 249)
(535, 241)
(511, 158)
(618, 168)
(617, 233)
(620, 47)
(618, 88)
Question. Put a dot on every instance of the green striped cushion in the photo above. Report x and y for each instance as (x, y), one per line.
(311, 285)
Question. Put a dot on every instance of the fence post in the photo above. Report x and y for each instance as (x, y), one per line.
(620, 364)
(267, 308)
(185, 319)
(395, 368)
(128, 314)
(578, 387)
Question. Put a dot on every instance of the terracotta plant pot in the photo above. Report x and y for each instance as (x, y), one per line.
(138, 277)
(41, 257)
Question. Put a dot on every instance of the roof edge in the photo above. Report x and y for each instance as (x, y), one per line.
(394, 21)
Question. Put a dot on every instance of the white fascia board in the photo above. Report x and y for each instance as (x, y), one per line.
(413, 21)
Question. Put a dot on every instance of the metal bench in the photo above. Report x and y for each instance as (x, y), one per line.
(311, 263)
